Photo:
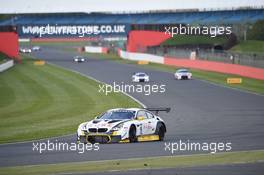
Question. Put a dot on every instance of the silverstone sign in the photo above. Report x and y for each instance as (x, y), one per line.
(72, 30)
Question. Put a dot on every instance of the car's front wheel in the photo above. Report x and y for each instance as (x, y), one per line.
(82, 139)
(132, 134)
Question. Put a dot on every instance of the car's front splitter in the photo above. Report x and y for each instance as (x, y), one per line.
(96, 138)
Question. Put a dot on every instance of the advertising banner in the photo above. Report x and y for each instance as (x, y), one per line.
(39, 31)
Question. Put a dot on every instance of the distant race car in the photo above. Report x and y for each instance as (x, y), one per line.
(182, 74)
(124, 125)
(140, 77)
(25, 50)
(35, 48)
(79, 59)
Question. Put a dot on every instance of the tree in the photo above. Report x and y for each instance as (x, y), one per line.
(257, 31)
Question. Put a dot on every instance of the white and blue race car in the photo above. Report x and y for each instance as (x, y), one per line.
(140, 77)
(79, 59)
(182, 74)
(25, 50)
(123, 125)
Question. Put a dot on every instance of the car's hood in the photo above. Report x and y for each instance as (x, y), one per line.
(183, 73)
(97, 123)
(146, 76)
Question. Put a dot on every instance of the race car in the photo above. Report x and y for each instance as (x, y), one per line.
(182, 74)
(35, 48)
(79, 59)
(140, 77)
(25, 50)
(124, 125)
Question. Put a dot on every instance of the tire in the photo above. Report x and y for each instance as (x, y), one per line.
(132, 134)
(161, 131)
(83, 139)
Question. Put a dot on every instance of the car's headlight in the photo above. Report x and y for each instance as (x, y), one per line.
(82, 126)
(81, 129)
(118, 127)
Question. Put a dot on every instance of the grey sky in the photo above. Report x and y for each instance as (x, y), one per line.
(48, 6)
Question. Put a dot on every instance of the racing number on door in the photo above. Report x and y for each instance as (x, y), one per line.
(146, 124)
(151, 123)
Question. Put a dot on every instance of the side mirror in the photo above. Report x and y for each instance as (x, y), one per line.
(140, 118)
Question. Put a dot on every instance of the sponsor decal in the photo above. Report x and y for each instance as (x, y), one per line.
(234, 80)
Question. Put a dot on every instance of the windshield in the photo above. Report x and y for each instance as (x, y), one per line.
(119, 115)
(141, 75)
(182, 71)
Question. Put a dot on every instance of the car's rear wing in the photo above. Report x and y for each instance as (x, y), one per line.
(157, 110)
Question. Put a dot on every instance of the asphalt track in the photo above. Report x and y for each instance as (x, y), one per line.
(235, 169)
(201, 112)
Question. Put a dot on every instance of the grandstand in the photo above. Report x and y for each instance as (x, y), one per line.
(190, 17)
(196, 17)
(154, 20)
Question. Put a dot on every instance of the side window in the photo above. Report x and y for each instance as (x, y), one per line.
(142, 114)
(149, 115)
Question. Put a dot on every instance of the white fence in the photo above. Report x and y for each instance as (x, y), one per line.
(141, 57)
(6, 65)
(94, 49)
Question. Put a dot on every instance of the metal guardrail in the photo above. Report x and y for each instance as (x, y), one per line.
(248, 59)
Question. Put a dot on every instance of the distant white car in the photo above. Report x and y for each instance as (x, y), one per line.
(182, 74)
(79, 59)
(25, 50)
(140, 77)
(35, 48)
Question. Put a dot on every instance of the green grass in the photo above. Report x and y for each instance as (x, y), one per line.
(140, 163)
(248, 84)
(3, 57)
(43, 101)
(250, 46)
(193, 40)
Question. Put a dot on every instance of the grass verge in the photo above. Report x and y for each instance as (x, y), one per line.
(250, 46)
(3, 58)
(248, 84)
(140, 163)
(43, 101)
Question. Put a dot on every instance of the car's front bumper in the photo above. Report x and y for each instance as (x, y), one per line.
(99, 138)
(182, 77)
(107, 138)
(140, 80)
